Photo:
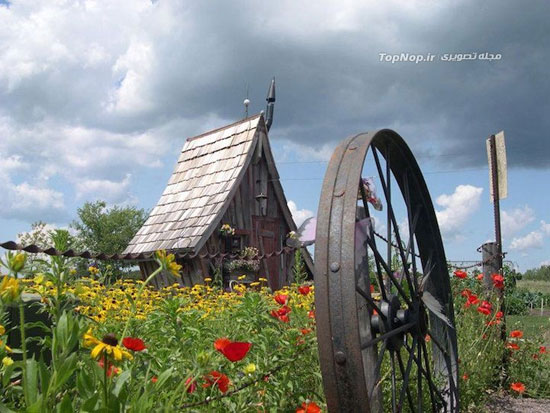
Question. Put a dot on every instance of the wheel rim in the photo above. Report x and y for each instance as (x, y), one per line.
(372, 346)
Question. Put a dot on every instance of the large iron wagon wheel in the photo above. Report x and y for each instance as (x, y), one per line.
(384, 310)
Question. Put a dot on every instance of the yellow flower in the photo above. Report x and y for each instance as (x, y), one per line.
(254, 284)
(9, 288)
(168, 263)
(72, 271)
(39, 279)
(8, 349)
(249, 368)
(263, 279)
(109, 345)
(207, 280)
(17, 262)
(241, 277)
(7, 361)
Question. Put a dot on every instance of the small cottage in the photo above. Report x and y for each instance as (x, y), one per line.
(223, 177)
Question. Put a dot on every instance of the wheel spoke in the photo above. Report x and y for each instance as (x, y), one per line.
(391, 217)
(393, 398)
(390, 275)
(379, 279)
(369, 299)
(405, 374)
(378, 366)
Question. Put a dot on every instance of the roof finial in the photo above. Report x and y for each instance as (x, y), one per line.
(270, 104)
(246, 102)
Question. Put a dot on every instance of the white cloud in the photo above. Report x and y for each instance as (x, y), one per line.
(299, 215)
(532, 240)
(457, 209)
(306, 153)
(545, 228)
(515, 220)
(110, 191)
(544, 263)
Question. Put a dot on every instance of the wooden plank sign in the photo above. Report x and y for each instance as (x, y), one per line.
(500, 165)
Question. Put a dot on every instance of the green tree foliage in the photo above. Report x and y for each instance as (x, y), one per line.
(108, 230)
(542, 273)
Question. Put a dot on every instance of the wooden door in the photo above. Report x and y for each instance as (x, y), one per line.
(267, 236)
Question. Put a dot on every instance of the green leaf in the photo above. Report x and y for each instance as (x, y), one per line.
(89, 405)
(66, 405)
(5, 409)
(121, 380)
(31, 384)
(165, 375)
(63, 373)
(84, 384)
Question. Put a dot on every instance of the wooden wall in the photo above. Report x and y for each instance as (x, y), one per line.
(260, 222)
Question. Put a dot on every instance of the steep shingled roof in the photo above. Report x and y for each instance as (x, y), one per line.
(209, 168)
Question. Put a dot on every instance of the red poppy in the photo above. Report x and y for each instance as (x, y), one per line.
(218, 379)
(535, 356)
(512, 346)
(485, 307)
(304, 289)
(479, 277)
(284, 310)
(311, 314)
(465, 377)
(305, 331)
(466, 293)
(233, 350)
(542, 349)
(309, 407)
(516, 334)
(133, 343)
(499, 315)
(221, 343)
(518, 387)
(154, 379)
(371, 288)
(190, 385)
(460, 274)
(281, 299)
(498, 281)
(472, 300)
(282, 316)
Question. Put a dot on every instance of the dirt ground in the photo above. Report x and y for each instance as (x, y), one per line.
(507, 404)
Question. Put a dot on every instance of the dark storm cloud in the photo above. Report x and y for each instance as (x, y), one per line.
(330, 81)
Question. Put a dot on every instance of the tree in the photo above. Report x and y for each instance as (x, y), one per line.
(108, 230)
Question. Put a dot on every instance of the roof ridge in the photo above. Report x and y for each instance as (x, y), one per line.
(223, 127)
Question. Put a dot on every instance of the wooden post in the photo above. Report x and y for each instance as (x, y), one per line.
(496, 204)
(489, 252)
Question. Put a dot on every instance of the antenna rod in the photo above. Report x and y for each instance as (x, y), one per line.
(270, 104)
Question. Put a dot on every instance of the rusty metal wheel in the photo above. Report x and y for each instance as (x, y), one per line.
(384, 310)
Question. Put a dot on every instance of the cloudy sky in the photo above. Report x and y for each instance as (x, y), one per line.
(98, 97)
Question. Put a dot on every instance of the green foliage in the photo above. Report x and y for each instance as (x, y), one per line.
(108, 230)
(542, 273)
(299, 268)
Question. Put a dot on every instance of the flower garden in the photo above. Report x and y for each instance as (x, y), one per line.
(129, 347)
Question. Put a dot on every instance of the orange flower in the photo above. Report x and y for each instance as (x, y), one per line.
(154, 379)
(218, 379)
(512, 346)
(479, 277)
(516, 334)
(465, 377)
(311, 314)
(309, 407)
(460, 274)
(427, 339)
(517, 387)
(305, 331)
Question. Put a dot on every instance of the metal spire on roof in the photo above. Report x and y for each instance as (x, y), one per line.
(270, 104)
